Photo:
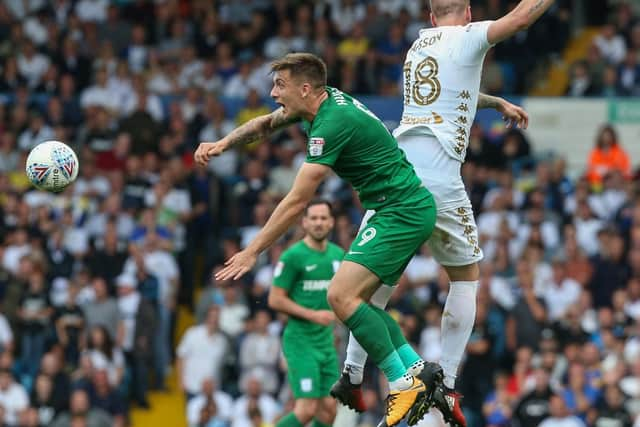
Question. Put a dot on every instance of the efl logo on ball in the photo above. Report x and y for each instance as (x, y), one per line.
(52, 166)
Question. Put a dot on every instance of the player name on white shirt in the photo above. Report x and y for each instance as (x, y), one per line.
(441, 84)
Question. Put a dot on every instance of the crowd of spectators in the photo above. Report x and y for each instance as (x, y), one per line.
(90, 279)
(611, 67)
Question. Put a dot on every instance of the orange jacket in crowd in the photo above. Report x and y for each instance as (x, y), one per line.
(602, 161)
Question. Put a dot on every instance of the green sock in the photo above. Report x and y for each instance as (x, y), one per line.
(373, 335)
(289, 420)
(404, 349)
(317, 423)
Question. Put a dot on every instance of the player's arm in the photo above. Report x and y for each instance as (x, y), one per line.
(279, 300)
(253, 130)
(520, 18)
(511, 113)
(284, 216)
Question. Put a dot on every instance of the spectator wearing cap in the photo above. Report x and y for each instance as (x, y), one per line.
(201, 354)
(13, 397)
(137, 336)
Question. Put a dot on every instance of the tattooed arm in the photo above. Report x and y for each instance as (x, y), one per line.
(488, 101)
(513, 115)
(520, 18)
(254, 130)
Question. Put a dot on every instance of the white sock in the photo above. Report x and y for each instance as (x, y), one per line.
(356, 355)
(416, 368)
(458, 318)
(356, 373)
(402, 383)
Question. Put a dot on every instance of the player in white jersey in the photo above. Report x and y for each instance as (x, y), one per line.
(441, 93)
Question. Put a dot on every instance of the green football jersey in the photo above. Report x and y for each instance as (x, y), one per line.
(350, 139)
(305, 274)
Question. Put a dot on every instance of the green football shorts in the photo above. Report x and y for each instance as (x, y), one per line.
(311, 371)
(392, 237)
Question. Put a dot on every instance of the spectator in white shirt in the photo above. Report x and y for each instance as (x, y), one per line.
(206, 78)
(562, 292)
(254, 397)
(6, 335)
(612, 46)
(260, 353)
(37, 132)
(13, 397)
(223, 401)
(226, 164)
(31, 64)
(92, 10)
(18, 247)
(284, 42)
(201, 354)
(90, 183)
(560, 416)
(99, 94)
(238, 84)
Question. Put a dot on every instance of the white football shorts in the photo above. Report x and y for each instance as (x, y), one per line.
(454, 241)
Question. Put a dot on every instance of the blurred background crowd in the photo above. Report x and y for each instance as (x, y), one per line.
(91, 280)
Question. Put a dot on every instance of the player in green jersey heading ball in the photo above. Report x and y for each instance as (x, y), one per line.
(300, 283)
(344, 136)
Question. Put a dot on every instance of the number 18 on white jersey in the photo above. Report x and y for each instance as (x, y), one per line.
(441, 84)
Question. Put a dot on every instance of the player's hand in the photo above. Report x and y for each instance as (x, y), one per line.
(201, 156)
(237, 266)
(513, 115)
(218, 148)
(323, 317)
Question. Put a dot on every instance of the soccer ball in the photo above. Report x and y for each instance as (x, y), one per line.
(52, 166)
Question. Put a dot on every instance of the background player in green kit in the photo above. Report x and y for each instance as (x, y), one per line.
(300, 283)
(344, 136)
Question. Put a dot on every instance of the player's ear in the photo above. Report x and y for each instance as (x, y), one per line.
(469, 16)
(433, 20)
(305, 90)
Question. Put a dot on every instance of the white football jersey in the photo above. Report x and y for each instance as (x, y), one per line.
(441, 85)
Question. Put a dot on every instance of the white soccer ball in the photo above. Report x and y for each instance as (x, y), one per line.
(52, 166)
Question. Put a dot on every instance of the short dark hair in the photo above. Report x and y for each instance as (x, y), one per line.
(303, 65)
(319, 201)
